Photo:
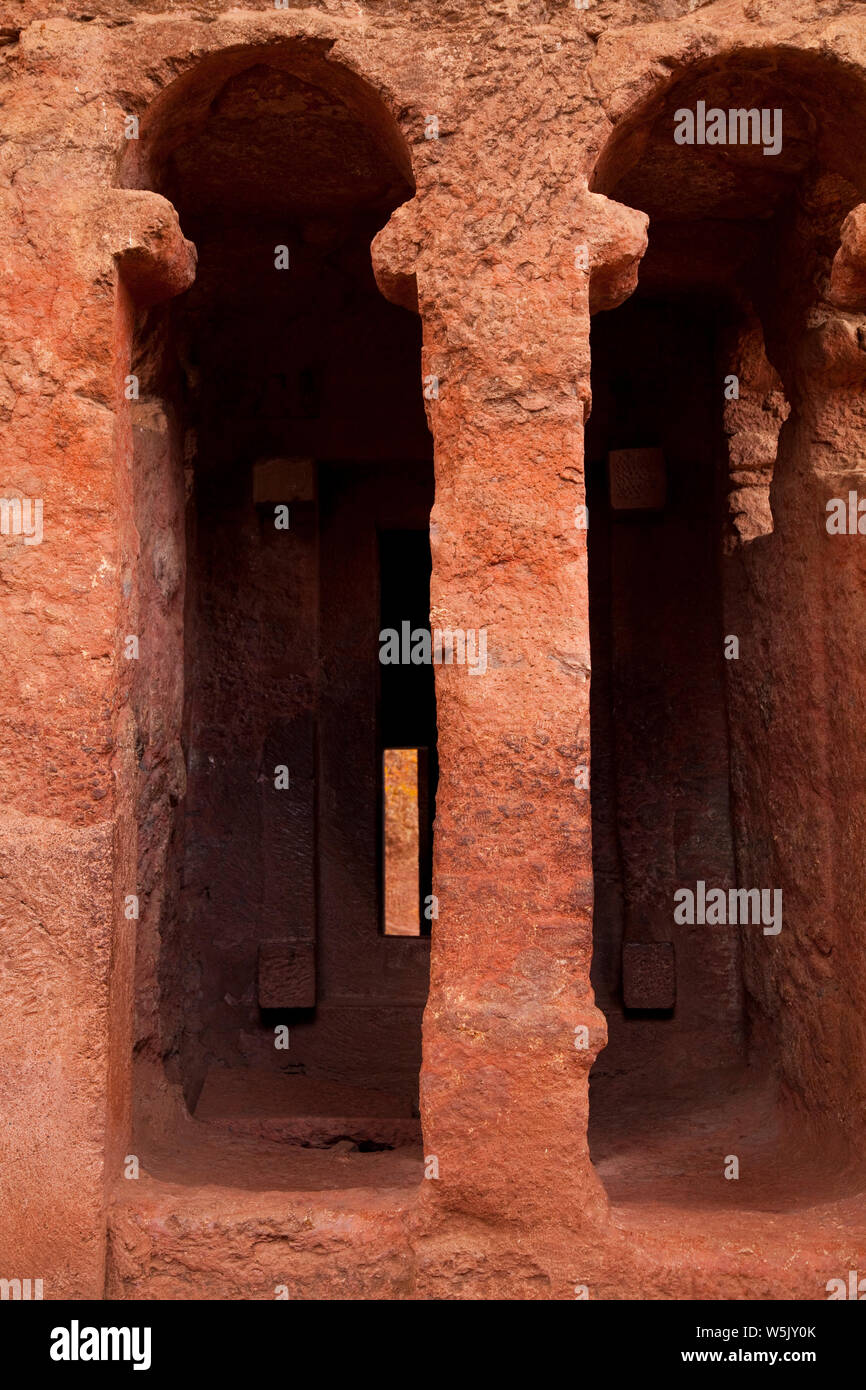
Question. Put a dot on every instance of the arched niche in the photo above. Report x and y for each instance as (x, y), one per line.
(281, 461)
(727, 410)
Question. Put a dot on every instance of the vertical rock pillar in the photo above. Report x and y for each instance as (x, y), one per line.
(511, 1028)
(67, 767)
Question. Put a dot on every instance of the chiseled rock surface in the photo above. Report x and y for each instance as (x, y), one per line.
(527, 95)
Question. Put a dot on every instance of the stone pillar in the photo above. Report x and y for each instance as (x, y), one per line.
(511, 1028)
(67, 844)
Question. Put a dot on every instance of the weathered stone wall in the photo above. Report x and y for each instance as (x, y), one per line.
(526, 96)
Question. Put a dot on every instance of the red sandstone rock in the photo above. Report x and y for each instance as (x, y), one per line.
(848, 272)
(150, 776)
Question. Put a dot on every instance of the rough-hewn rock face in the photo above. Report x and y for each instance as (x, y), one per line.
(513, 168)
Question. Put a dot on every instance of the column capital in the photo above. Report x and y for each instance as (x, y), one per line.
(142, 233)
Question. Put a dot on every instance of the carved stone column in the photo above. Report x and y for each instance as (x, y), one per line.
(511, 1028)
(67, 840)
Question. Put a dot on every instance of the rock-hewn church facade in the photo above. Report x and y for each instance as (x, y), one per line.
(530, 963)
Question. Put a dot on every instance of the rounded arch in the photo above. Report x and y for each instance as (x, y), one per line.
(748, 202)
(177, 115)
(826, 96)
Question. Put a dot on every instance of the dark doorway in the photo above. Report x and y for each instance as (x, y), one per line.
(661, 810)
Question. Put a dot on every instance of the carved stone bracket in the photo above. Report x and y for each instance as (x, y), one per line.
(143, 234)
(616, 236)
(848, 274)
(395, 252)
